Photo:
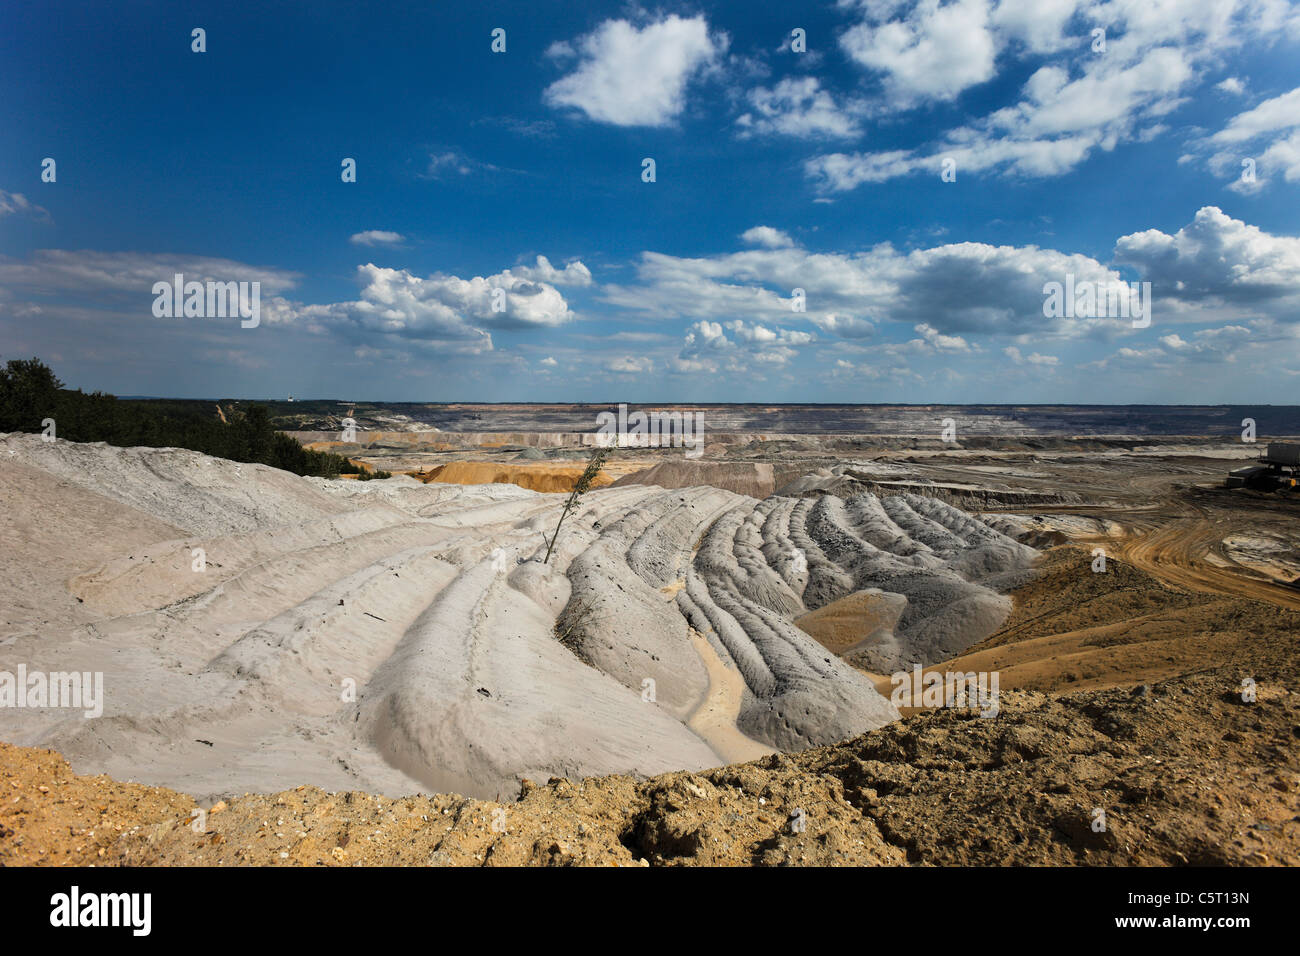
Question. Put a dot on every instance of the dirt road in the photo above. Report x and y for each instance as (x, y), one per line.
(1177, 535)
(1176, 554)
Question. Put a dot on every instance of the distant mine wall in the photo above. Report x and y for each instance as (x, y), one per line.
(438, 440)
(968, 499)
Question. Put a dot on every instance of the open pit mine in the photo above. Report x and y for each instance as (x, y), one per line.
(260, 630)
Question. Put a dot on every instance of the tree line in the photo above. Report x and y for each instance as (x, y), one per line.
(30, 393)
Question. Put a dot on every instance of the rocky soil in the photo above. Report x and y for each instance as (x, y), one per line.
(1183, 770)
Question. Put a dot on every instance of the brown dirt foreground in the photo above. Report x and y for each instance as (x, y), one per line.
(1185, 772)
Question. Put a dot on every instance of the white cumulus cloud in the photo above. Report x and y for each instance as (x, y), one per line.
(574, 273)
(932, 53)
(635, 76)
(767, 237)
(799, 107)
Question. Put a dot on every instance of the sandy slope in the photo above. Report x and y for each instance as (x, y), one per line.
(756, 479)
(398, 637)
(229, 680)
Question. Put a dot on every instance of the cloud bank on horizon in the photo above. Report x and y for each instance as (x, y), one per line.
(863, 200)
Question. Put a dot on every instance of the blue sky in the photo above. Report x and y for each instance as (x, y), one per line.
(1104, 158)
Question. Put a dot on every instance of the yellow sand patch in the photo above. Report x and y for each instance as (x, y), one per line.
(715, 719)
(849, 621)
(537, 476)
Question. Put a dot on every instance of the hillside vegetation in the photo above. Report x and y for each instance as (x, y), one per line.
(31, 395)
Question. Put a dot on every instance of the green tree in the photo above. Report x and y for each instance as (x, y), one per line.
(29, 393)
